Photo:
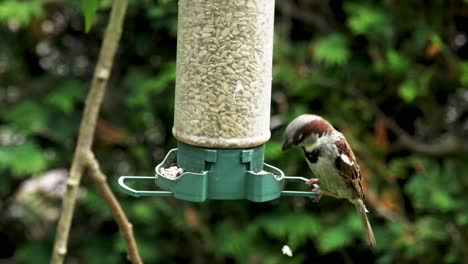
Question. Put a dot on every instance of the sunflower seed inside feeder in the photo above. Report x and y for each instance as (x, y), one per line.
(224, 73)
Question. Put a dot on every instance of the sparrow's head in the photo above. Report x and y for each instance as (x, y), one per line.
(304, 131)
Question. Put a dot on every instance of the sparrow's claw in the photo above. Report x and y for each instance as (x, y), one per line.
(310, 183)
(318, 195)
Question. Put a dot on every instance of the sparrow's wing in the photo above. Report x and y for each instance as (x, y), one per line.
(349, 169)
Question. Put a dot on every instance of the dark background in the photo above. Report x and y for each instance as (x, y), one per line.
(391, 75)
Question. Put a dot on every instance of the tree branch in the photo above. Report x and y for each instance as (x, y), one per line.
(88, 125)
(125, 226)
(385, 212)
(444, 145)
(292, 10)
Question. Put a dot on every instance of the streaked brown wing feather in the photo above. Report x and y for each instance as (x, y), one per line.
(350, 173)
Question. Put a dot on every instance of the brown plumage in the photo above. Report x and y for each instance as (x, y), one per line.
(350, 173)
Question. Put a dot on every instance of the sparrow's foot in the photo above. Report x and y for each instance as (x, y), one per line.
(318, 195)
(310, 183)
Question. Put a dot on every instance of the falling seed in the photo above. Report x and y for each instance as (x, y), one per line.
(287, 251)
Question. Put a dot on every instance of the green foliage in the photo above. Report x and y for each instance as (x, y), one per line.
(89, 8)
(295, 229)
(430, 191)
(408, 90)
(160, 10)
(464, 73)
(94, 254)
(367, 19)
(20, 11)
(332, 50)
(273, 150)
(144, 85)
(27, 116)
(232, 241)
(94, 203)
(22, 159)
(338, 236)
(66, 97)
(37, 250)
(397, 62)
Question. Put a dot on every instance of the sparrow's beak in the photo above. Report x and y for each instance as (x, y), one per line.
(286, 146)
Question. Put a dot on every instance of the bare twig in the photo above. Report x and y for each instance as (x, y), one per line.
(292, 10)
(125, 226)
(88, 125)
(385, 212)
(444, 145)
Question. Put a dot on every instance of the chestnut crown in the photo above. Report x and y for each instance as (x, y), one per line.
(304, 127)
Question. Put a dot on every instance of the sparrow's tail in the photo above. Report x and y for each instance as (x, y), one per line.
(362, 211)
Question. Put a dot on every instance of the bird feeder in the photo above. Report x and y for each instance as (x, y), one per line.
(222, 106)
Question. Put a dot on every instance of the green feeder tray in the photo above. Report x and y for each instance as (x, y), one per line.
(224, 174)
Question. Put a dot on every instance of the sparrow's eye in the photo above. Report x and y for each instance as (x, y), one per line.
(299, 138)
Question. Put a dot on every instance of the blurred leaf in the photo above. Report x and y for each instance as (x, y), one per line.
(429, 228)
(232, 241)
(142, 212)
(148, 251)
(27, 116)
(89, 8)
(462, 218)
(66, 96)
(408, 91)
(19, 11)
(23, 159)
(332, 50)
(37, 249)
(366, 19)
(295, 227)
(379, 66)
(340, 235)
(333, 239)
(273, 150)
(95, 204)
(436, 40)
(144, 85)
(463, 73)
(396, 62)
(430, 192)
(443, 200)
(285, 73)
(98, 251)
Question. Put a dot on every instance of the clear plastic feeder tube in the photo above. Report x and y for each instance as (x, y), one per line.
(224, 61)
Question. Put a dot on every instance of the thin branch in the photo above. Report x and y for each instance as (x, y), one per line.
(385, 212)
(444, 145)
(125, 226)
(291, 10)
(88, 126)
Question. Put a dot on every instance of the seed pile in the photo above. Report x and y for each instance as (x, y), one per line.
(171, 172)
(223, 86)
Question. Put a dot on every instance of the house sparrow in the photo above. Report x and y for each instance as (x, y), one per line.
(331, 160)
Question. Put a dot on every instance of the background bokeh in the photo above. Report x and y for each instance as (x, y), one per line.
(391, 75)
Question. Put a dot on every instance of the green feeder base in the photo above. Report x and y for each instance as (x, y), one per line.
(225, 174)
